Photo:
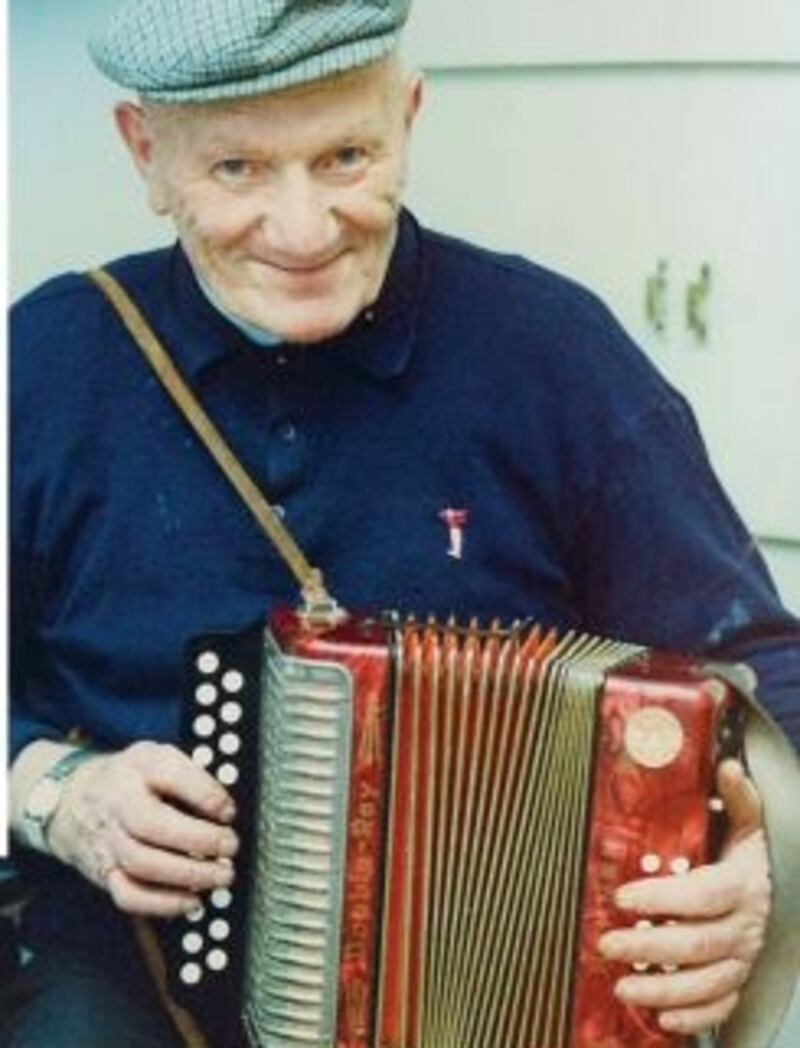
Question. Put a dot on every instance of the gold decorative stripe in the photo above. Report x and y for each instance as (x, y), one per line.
(429, 698)
(386, 967)
(467, 664)
(447, 687)
(474, 834)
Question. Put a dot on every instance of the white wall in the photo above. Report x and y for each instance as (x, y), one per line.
(468, 33)
(75, 200)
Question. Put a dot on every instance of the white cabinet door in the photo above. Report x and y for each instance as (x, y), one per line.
(462, 33)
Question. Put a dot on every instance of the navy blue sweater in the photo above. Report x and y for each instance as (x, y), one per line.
(479, 382)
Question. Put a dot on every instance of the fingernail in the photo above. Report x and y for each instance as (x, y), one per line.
(224, 874)
(228, 846)
(621, 990)
(608, 946)
(624, 900)
(228, 813)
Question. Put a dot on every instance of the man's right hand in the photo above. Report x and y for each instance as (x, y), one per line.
(147, 825)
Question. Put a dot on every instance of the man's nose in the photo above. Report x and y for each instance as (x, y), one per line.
(300, 222)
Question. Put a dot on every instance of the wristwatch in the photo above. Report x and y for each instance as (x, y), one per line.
(45, 796)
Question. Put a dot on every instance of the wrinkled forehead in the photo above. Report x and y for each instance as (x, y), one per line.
(361, 102)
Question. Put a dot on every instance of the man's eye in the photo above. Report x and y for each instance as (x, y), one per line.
(349, 155)
(236, 169)
(345, 159)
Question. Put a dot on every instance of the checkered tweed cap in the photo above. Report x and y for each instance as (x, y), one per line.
(205, 50)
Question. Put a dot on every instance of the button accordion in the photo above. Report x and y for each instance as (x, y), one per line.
(434, 821)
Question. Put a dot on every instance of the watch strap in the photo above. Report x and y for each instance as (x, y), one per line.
(59, 772)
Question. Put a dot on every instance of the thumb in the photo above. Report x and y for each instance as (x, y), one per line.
(741, 799)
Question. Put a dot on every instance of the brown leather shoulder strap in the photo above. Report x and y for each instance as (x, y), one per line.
(318, 603)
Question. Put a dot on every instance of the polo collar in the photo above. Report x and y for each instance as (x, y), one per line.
(203, 334)
(379, 342)
(257, 335)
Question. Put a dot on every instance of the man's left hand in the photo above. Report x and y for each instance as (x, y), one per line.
(717, 917)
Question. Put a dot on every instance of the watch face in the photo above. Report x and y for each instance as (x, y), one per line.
(43, 799)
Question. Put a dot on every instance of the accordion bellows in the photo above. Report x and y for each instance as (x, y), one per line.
(436, 818)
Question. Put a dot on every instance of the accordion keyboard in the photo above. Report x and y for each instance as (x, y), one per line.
(221, 692)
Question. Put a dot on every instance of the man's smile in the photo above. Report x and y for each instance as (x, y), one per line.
(305, 267)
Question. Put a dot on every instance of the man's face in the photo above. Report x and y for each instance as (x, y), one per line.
(286, 204)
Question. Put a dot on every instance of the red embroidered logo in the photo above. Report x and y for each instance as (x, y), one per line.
(455, 520)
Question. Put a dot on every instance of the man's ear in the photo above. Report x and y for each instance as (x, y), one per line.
(136, 130)
(414, 95)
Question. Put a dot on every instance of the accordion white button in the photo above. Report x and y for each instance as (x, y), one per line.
(217, 960)
(219, 930)
(208, 662)
(716, 804)
(230, 743)
(640, 966)
(232, 681)
(206, 694)
(228, 774)
(644, 924)
(192, 942)
(651, 863)
(231, 712)
(680, 865)
(204, 725)
(221, 898)
(196, 915)
(191, 974)
(203, 755)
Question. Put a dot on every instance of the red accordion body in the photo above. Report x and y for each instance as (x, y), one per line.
(652, 764)
(498, 787)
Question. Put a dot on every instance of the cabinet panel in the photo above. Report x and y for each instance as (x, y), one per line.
(448, 33)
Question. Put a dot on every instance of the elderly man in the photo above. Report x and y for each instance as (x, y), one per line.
(387, 386)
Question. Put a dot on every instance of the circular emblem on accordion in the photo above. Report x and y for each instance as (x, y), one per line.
(653, 737)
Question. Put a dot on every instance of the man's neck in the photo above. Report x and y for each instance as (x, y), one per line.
(258, 335)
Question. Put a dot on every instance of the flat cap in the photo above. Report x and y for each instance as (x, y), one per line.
(206, 50)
